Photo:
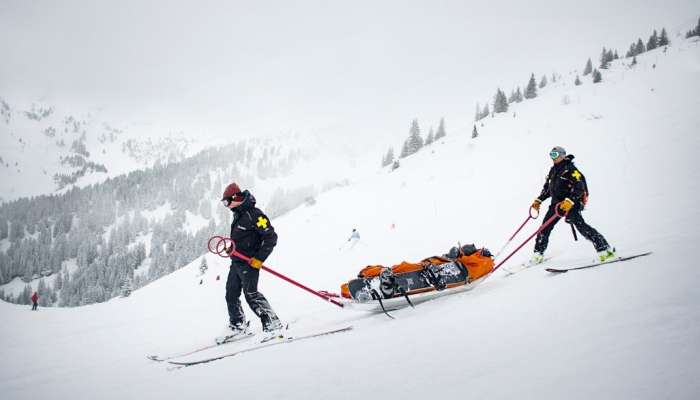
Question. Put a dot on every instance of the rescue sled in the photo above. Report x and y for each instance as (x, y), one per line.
(378, 288)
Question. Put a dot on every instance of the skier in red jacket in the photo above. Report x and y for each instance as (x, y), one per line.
(35, 301)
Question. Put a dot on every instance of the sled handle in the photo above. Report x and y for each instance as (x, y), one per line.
(536, 215)
(220, 246)
(221, 252)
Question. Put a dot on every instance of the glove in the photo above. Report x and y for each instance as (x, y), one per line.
(255, 263)
(566, 204)
(228, 250)
(536, 204)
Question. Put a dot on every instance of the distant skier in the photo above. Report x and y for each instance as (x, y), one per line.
(35, 301)
(254, 237)
(352, 240)
(354, 236)
(567, 185)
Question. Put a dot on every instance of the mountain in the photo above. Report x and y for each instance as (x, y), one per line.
(627, 330)
(48, 148)
(83, 245)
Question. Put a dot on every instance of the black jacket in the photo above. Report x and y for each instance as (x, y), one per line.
(564, 180)
(251, 230)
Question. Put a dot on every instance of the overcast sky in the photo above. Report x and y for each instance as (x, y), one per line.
(248, 68)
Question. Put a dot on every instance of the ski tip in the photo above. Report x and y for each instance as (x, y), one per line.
(154, 358)
(556, 271)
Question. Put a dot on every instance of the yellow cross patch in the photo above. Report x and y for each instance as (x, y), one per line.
(262, 222)
(576, 175)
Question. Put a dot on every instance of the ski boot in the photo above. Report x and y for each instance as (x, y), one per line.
(234, 332)
(537, 258)
(272, 328)
(607, 254)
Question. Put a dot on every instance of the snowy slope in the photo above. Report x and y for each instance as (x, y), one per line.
(39, 141)
(628, 330)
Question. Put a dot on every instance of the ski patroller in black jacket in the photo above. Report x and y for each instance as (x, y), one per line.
(251, 230)
(564, 180)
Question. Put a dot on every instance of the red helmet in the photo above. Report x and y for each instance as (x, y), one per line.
(231, 191)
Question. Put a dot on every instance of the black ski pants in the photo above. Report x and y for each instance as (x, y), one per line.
(576, 219)
(243, 277)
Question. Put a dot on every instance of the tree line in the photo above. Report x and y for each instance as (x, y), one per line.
(97, 241)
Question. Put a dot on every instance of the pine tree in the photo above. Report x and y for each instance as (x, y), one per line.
(405, 152)
(478, 115)
(44, 295)
(441, 130)
(597, 77)
(577, 82)
(639, 48)
(511, 98)
(58, 281)
(588, 68)
(475, 133)
(431, 137)
(485, 112)
(615, 56)
(127, 286)
(389, 157)
(500, 103)
(653, 41)
(543, 81)
(604, 59)
(663, 40)
(518, 95)
(414, 141)
(203, 267)
(634, 61)
(531, 88)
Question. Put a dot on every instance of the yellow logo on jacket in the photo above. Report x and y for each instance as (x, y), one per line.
(576, 175)
(262, 222)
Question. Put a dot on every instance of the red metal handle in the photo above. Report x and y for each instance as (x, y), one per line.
(530, 212)
(233, 253)
(544, 225)
(220, 246)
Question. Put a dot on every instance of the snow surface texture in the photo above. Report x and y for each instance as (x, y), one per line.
(628, 330)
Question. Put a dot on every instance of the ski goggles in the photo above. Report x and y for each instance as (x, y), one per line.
(554, 154)
(226, 201)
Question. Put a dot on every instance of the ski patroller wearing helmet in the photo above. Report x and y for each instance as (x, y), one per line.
(231, 192)
(556, 152)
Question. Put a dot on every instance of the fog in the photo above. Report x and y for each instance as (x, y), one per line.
(253, 68)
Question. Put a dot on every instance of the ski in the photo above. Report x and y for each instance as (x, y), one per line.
(207, 347)
(288, 339)
(618, 259)
(249, 334)
(523, 267)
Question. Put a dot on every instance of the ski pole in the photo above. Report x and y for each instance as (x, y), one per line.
(231, 251)
(540, 229)
(573, 231)
(529, 217)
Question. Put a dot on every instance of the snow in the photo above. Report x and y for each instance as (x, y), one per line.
(195, 222)
(628, 330)
(23, 141)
